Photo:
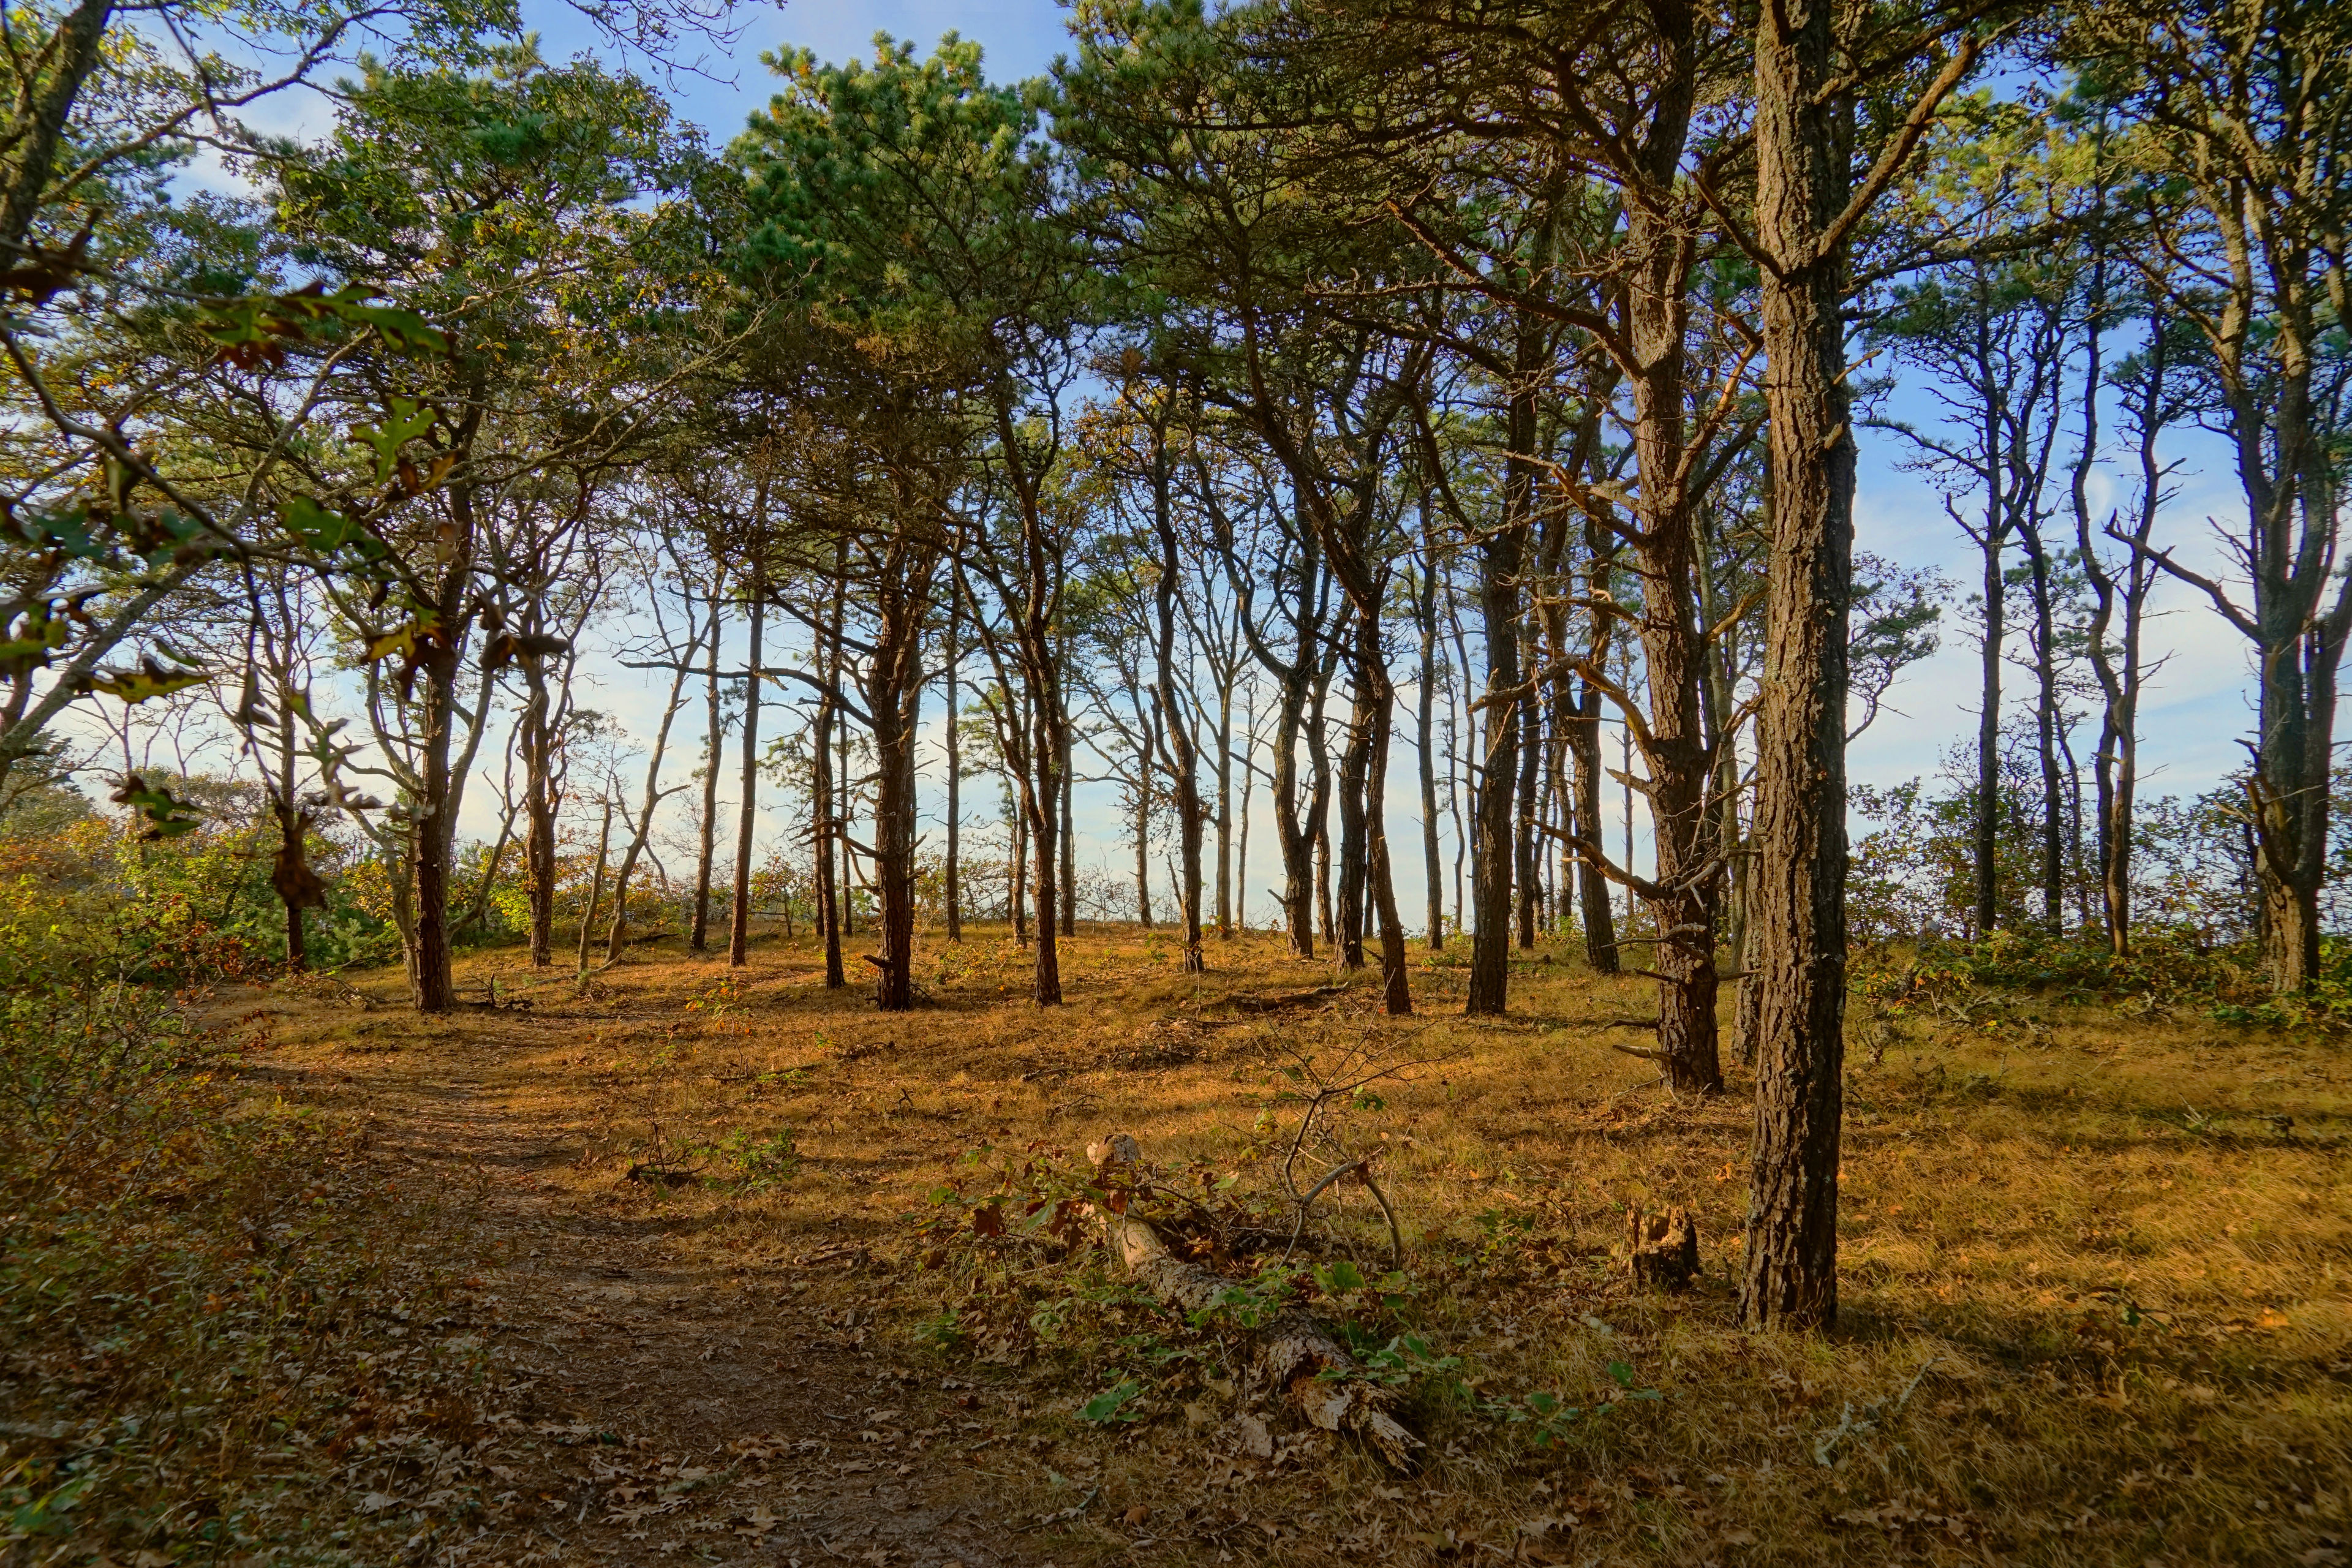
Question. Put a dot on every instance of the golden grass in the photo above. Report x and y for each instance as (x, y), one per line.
(2106, 1258)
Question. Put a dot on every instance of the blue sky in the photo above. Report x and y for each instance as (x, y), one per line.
(1020, 39)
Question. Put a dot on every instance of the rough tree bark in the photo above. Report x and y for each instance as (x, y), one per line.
(894, 695)
(1806, 209)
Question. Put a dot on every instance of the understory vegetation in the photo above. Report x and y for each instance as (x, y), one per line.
(218, 1315)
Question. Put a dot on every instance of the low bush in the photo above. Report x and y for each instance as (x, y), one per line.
(2168, 968)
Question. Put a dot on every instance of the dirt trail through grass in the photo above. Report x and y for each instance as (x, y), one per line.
(648, 1397)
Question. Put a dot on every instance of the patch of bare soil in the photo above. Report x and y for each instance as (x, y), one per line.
(642, 1399)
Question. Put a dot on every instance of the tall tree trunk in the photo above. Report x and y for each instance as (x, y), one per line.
(714, 747)
(1249, 789)
(1456, 786)
(1354, 782)
(1143, 834)
(1555, 691)
(894, 834)
(1461, 776)
(894, 694)
(1425, 717)
(1682, 889)
(442, 775)
(432, 832)
(1375, 696)
(596, 885)
(2115, 766)
(1292, 830)
(1803, 155)
(1500, 557)
(1528, 712)
(1595, 907)
(1719, 692)
(2045, 728)
(824, 824)
(541, 800)
(826, 870)
(1017, 892)
(1037, 748)
(1067, 837)
(739, 926)
(297, 887)
(845, 816)
(1225, 806)
(954, 881)
(1319, 783)
(1175, 734)
(1988, 802)
(1043, 792)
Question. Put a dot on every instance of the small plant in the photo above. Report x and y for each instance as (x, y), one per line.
(944, 1332)
(1114, 1405)
(1546, 1418)
(1404, 1358)
(1549, 1418)
(762, 1161)
(1249, 1303)
(720, 1001)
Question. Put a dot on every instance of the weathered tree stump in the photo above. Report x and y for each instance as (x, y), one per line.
(1661, 1249)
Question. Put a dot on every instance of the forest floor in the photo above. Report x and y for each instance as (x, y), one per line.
(745, 1291)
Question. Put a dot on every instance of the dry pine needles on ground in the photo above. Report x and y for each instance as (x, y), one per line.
(2094, 1274)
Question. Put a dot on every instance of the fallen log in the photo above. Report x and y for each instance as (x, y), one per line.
(1294, 1350)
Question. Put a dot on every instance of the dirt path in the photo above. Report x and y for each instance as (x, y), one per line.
(657, 1390)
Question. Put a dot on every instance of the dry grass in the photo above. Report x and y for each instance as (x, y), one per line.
(2104, 1258)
